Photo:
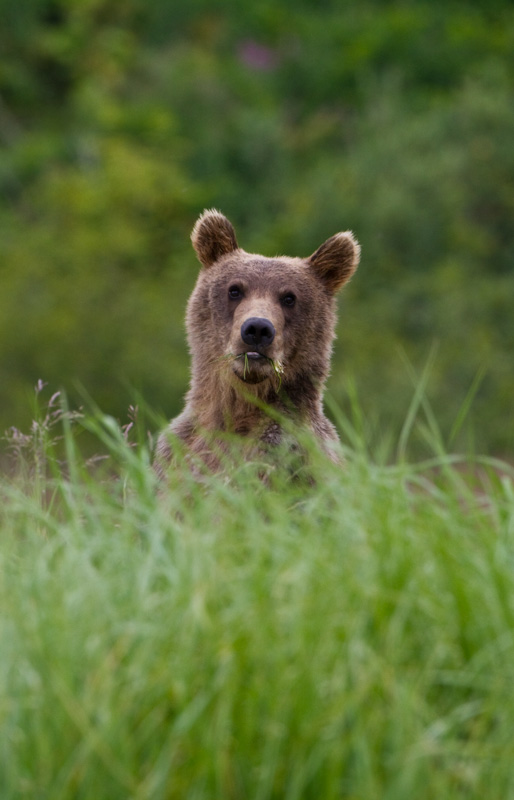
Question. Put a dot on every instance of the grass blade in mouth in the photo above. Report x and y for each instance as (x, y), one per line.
(278, 367)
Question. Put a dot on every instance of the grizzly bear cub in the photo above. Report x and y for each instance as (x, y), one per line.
(260, 332)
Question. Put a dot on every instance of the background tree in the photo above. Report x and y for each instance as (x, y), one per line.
(121, 121)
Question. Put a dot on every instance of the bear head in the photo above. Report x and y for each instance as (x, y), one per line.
(264, 322)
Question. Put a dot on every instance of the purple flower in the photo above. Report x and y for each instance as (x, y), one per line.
(257, 56)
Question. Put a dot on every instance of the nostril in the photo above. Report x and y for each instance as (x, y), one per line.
(257, 331)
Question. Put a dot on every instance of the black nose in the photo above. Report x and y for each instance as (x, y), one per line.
(257, 331)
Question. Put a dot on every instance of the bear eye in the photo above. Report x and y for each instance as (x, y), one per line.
(235, 292)
(288, 300)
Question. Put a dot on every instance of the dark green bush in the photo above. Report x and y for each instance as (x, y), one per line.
(120, 122)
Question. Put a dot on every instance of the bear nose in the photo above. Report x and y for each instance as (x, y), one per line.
(257, 331)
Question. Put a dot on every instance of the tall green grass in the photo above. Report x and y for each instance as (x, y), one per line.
(351, 637)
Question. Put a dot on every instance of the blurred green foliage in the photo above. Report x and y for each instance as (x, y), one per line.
(120, 120)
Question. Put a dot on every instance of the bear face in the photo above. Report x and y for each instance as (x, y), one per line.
(257, 327)
(257, 316)
(269, 319)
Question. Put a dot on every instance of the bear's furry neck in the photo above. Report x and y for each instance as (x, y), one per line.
(219, 401)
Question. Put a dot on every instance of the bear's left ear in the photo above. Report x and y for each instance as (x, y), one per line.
(213, 236)
(336, 260)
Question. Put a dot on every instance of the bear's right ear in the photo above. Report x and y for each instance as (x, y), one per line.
(336, 260)
(213, 237)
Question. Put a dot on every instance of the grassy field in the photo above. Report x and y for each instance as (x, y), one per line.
(348, 639)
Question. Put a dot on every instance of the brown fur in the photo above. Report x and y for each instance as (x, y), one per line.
(226, 394)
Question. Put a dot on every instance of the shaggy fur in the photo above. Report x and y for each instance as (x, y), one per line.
(295, 295)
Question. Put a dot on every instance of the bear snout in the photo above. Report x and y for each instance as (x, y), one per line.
(257, 332)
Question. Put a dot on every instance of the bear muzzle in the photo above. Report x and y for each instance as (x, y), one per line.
(252, 363)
